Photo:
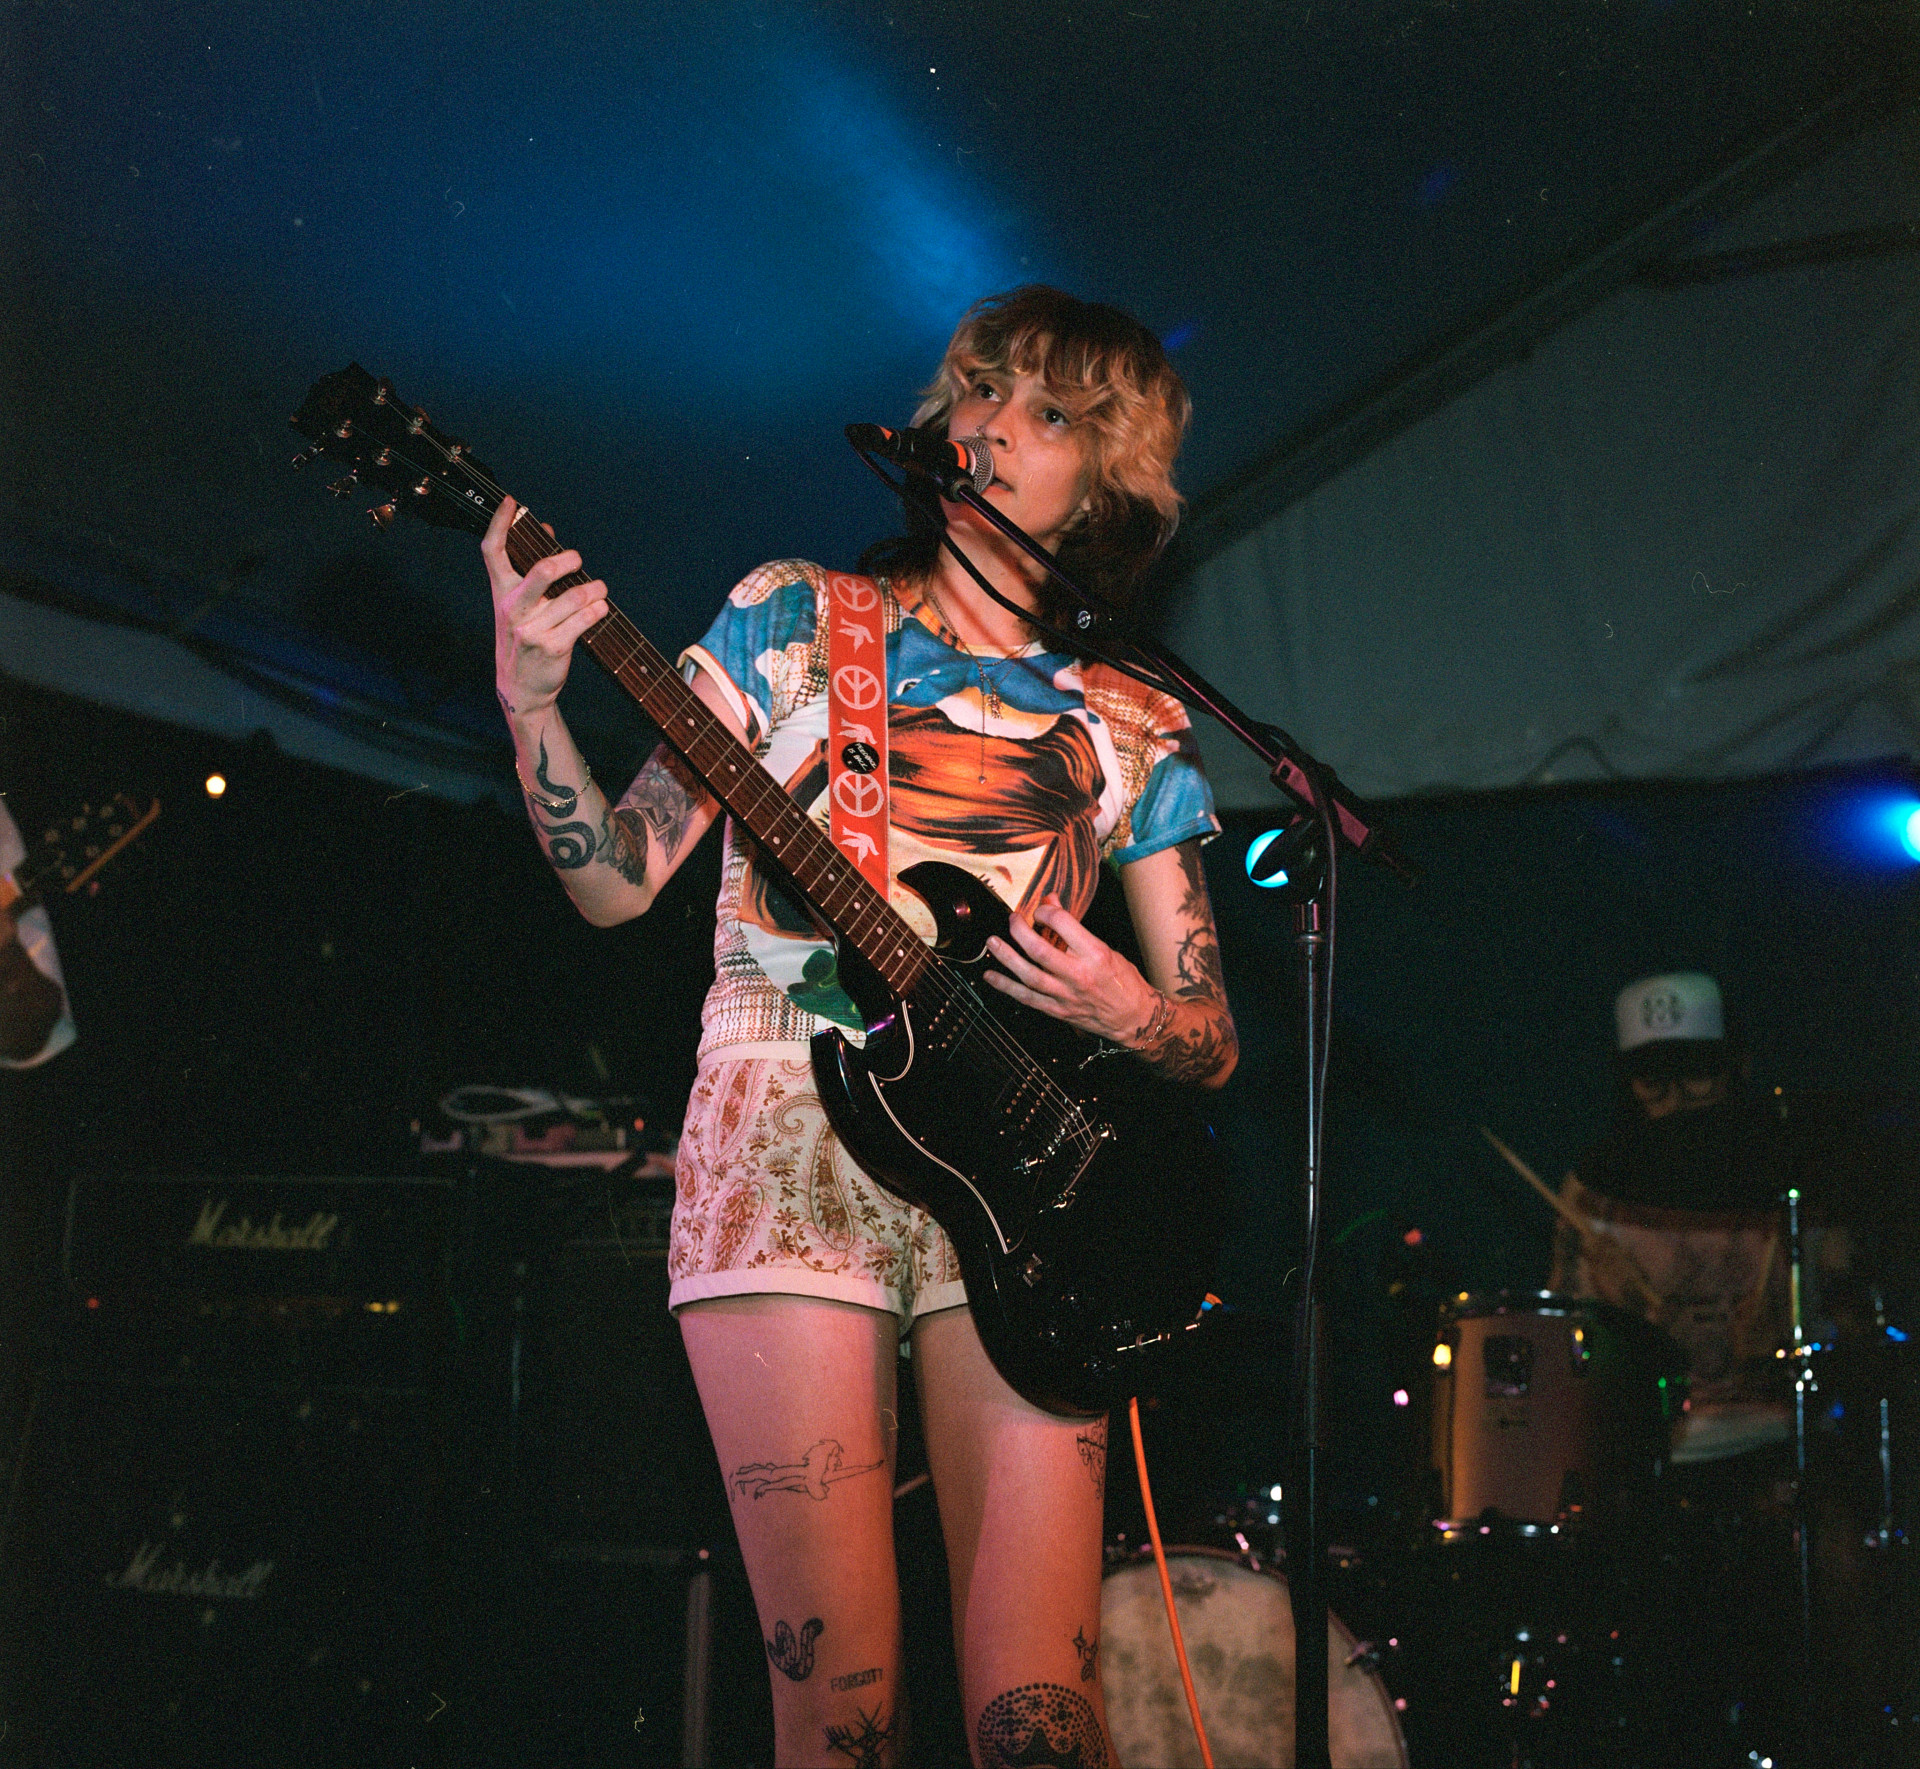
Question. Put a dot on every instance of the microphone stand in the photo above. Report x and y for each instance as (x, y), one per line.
(1329, 818)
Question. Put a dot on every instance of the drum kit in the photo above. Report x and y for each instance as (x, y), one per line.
(1542, 1613)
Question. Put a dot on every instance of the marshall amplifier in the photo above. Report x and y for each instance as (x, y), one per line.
(173, 1279)
(196, 1575)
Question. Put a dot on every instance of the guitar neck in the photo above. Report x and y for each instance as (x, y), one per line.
(805, 852)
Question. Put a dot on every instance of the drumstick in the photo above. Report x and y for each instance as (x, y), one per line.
(1590, 1237)
(1572, 1217)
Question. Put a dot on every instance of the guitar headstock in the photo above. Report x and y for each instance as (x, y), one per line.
(390, 446)
(72, 850)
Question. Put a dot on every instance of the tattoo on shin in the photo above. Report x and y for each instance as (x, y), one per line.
(794, 1658)
(1089, 1651)
(865, 1743)
(857, 1679)
(1042, 1723)
(823, 1464)
(1092, 1445)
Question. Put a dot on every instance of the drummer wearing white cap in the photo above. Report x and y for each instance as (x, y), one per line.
(1685, 1186)
(1682, 1202)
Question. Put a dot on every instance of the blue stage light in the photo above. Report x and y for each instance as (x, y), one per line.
(1881, 828)
(1896, 826)
(1273, 877)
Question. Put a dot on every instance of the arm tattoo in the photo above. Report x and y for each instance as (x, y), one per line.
(623, 845)
(1197, 1042)
(1196, 905)
(1041, 1723)
(1198, 964)
(1198, 1053)
(663, 797)
(570, 844)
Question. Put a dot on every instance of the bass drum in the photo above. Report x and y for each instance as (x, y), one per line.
(1238, 1626)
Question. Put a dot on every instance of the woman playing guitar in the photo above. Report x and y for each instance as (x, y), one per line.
(795, 1275)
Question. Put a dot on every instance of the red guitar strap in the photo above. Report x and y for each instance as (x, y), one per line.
(857, 722)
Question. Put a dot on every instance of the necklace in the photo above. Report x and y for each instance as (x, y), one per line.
(990, 702)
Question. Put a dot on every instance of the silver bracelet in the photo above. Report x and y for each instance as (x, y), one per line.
(554, 807)
(1157, 1026)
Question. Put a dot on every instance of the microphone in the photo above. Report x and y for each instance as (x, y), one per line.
(940, 458)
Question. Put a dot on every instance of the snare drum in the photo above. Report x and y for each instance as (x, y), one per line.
(1546, 1409)
(1237, 1621)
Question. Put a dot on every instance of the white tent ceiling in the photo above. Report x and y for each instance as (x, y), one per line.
(1679, 537)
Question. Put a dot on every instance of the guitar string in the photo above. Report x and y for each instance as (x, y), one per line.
(954, 991)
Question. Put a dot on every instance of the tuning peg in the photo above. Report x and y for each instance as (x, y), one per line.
(345, 488)
(382, 515)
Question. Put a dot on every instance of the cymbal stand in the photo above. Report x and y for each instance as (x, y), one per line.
(1799, 1354)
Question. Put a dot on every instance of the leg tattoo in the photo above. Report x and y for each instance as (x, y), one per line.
(864, 1745)
(823, 1464)
(794, 1658)
(1043, 1725)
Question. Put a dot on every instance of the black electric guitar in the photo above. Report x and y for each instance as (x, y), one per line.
(71, 852)
(1084, 1196)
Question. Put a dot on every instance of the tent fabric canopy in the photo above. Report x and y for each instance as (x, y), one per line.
(1680, 538)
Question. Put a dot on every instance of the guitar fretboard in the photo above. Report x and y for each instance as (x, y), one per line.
(799, 846)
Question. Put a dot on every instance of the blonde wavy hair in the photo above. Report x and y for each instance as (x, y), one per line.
(1112, 376)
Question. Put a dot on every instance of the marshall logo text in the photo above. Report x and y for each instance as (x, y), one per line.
(145, 1573)
(245, 1235)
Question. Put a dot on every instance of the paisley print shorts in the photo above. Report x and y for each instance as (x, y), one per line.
(766, 1199)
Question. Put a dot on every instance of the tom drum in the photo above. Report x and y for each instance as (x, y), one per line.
(1546, 1409)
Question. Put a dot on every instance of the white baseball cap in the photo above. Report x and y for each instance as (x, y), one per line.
(1683, 1005)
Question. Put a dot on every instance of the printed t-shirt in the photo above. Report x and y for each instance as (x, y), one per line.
(1064, 764)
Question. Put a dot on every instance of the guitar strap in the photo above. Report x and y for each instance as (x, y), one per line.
(857, 723)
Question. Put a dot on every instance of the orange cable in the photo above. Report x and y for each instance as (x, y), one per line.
(1166, 1583)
